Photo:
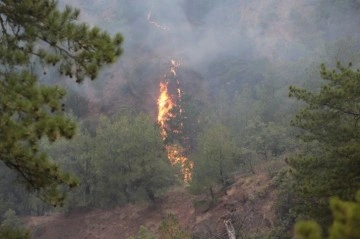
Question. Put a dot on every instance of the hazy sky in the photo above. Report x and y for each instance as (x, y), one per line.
(199, 33)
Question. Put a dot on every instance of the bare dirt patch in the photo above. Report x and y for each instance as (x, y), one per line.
(248, 203)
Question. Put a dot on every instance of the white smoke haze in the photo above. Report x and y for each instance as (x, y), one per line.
(201, 33)
(267, 27)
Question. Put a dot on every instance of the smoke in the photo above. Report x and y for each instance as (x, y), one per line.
(199, 31)
(200, 34)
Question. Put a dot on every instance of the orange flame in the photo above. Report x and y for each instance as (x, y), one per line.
(176, 156)
(165, 103)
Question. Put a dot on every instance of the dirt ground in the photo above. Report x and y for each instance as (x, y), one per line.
(248, 204)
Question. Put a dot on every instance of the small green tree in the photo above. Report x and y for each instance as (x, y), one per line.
(171, 229)
(168, 229)
(265, 139)
(346, 222)
(11, 220)
(77, 156)
(12, 228)
(215, 159)
(14, 233)
(143, 234)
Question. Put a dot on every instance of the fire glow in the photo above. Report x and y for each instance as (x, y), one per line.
(165, 102)
(165, 105)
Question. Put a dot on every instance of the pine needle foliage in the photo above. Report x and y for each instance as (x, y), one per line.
(33, 36)
(345, 225)
(330, 119)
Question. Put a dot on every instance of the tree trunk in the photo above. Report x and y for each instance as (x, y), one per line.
(211, 192)
(150, 195)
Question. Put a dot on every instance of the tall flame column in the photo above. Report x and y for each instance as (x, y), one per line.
(166, 103)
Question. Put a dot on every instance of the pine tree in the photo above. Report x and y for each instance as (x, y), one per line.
(346, 222)
(215, 159)
(330, 121)
(33, 36)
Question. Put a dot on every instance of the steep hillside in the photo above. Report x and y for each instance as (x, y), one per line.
(248, 203)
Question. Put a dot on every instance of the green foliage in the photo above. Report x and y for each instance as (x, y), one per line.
(13, 195)
(34, 34)
(215, 159)
(122, 161)
(330, 120)
(286, 199)
(78, 157)
(10, 219)
(30, 112)
(346, 222)
(308, 230)
(170, 229)
(143, 234)
(266, 139)
(183, 123)
(12, 228)
(133, 162)
(257, 125)
(14, 233)
(346, 218)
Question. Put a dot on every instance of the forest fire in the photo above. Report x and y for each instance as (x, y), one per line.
(176, 156)
(170, 97)
(166, 103)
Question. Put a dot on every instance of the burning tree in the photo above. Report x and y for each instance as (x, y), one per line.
(175, 121)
